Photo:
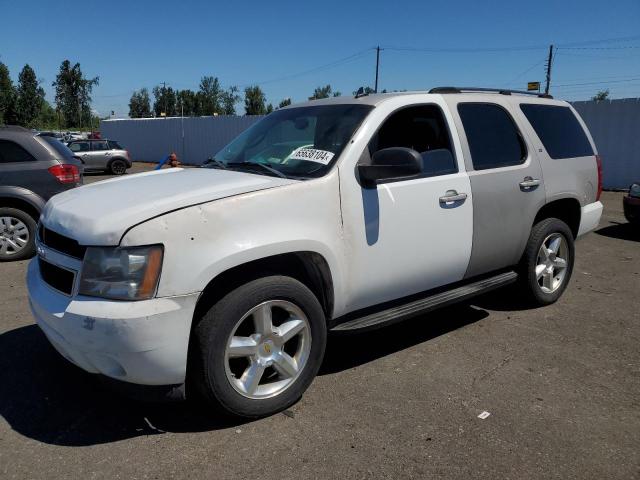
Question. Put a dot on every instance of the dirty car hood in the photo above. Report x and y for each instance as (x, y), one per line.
(100, 213)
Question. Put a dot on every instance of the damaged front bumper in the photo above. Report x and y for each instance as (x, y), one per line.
(142, 342)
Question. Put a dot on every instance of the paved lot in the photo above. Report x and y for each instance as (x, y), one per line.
(562, 385)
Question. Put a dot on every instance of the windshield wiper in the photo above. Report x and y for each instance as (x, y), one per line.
(262, 165)
(212, 161)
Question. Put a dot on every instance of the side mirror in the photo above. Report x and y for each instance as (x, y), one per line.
(390, 163)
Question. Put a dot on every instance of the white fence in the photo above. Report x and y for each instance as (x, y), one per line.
(615, 127)
(194, 139)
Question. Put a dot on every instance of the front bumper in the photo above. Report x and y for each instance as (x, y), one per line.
(142, 342)
(590, 217)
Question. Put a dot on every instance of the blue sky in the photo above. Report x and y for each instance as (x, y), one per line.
(136, 44)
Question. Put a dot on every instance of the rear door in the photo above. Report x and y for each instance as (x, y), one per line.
(20, 168)
(506, 180)
(100, 154)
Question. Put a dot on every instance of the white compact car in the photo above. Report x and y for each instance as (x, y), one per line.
(344, 213)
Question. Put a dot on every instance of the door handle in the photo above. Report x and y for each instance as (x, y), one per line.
(453, 196)
(530, 182)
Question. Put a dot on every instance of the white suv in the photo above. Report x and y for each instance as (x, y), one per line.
(344, 213)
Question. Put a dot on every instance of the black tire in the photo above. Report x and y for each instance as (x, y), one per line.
(207, 372)
(118, 166)
(529, 281)
(30, 248)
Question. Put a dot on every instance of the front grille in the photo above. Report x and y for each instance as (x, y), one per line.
(59, 278)
(60, 243)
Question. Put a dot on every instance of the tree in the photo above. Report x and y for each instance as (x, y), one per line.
(322, 92)
(254, 101)
(229, 99)
(284, 103)
(7, 97)
(165, 101)
(188, 103)
(140, 104)
(269, 109)
(368, 91)
(601, 95)
(73, 94)
(30, 97)
(210, 93)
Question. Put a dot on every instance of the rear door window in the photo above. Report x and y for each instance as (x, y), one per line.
(11, 152)
(558, 130)
(99, 145)
(494, 140)
(113, 145)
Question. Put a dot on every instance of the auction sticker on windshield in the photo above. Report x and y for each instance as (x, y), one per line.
(312, 155)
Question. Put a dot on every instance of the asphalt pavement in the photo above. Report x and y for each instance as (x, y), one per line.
(561, 386)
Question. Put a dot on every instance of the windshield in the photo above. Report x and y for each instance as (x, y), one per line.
(296, 142)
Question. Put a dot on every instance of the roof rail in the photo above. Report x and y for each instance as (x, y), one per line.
(14, 128)
(501, 91)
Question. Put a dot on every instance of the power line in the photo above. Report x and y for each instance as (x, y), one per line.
(597, 83)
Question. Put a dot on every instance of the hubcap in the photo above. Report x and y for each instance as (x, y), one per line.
(552, 262)
(268, 349)
(14, 235)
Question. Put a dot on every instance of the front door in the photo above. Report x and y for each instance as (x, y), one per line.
(410, 235)
(506, 179)
(82, 149)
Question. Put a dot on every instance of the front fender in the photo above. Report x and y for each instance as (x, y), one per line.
(203, 241)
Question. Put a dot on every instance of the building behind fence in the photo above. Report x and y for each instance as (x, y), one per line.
(615, 127)
(194, 139)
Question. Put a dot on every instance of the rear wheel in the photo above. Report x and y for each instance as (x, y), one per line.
(17, 234)
(118, 167)
(547, 263)
(257, 350)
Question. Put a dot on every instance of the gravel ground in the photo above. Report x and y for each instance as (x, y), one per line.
(561, 384)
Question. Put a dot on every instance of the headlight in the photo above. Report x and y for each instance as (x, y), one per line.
(634, 190)
(121, 273)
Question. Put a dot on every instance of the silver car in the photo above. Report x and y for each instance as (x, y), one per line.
(105, 155)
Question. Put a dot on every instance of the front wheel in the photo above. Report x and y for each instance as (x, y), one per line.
(17, 235)
(259, 348)
(547, 262)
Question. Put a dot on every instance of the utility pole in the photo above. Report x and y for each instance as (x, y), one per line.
(164, 94)
(549, 60)
(377, 67)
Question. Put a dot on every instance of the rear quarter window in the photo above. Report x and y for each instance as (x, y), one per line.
(558, 130)
(11, 152)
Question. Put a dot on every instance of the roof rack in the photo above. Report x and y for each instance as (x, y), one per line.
(501, 91)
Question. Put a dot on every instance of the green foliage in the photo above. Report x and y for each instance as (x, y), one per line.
(284, 103)
(165, 101)
(368, 91)
(269, 109)
(210, 95)
(322, 92)
(229, 99)
(7, 97)
(601, 95)
(254, 101)
(73, 95)
(140, 104)
(30, 98)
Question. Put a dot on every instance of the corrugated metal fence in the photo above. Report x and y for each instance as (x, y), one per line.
(194, 139)
(615, 127)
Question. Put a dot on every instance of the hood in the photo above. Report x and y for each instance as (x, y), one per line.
(101, 212)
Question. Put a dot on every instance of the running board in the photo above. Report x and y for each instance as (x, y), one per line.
(417, 307)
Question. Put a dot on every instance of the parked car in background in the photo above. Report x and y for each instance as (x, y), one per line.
(103, 155)
(57, 135)
(631, 204)
(33, 168)
(348, 213)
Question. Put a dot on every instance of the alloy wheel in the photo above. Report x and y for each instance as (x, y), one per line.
(268, 349)
(552, 262)
(14, 236)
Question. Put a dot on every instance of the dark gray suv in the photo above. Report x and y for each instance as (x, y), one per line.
(33, 168)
